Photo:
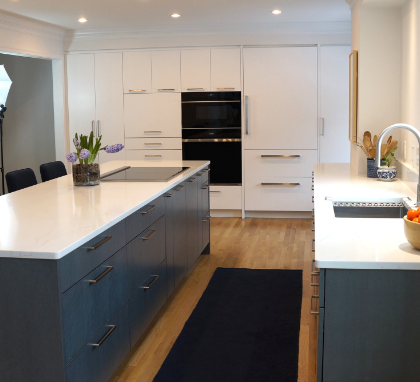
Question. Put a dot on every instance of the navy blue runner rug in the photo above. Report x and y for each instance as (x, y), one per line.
(245, 328)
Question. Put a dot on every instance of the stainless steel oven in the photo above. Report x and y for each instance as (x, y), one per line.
(211, 130)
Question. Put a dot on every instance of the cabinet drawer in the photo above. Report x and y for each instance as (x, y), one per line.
(205, 175)
(92, 301)
(274, 194)
(205, 227)
(153, 144)
(99, 359)
(87, 257)
(146, 303)
(205, 199)
(153, 155)
(286, 163)
(144, 217)
(225, 197)
(145, 253)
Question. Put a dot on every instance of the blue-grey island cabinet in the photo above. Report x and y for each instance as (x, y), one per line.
(75, 319)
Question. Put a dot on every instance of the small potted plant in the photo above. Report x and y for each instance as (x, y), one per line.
(86, 172)
(388, 171)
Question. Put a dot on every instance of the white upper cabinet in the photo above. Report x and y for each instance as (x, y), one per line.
(109, 102)
(281, 91)
(152, 115)
(225, 69)
(334, 145)
(195, 70)
(166, 71)
(137, 72)
(81, 94)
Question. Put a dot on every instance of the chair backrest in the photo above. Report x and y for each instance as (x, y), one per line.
(17, 180)
(52, 170)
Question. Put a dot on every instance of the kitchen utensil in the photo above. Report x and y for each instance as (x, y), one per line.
(391, 147)
(367, 143)
(372, 153)
(375, 140)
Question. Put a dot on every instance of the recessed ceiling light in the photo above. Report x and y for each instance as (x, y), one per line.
(82, 20)
(276, 12)
(175, 15)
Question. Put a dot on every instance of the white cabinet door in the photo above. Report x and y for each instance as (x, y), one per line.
(109, 102)
(154, 156)
(137, 72)
(195, 70)
(225, 197)
(166, 71)
(81, 94)
(334, 144)
(281, 86)
(225, 69)
(152, 115)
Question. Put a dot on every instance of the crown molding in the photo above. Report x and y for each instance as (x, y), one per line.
(29, 27)
(188, 30)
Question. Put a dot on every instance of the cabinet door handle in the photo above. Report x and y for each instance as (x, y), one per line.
(169, 195)
(149, 210)
(313, 212)
(205, 187)
(312, 298)
(322, 126)
(153, 132)
(153, 156)
(149, 235)
(113, 327)
(246, 115)
(192, 179)
(195, 89)
(153, 144)
(313, 226)
(180, 188)
(313, 245)
(206, 170)
(155, 278)
(102, 275)
(166, 90)
(280, 156)
(225, 88)
(280, 184)
(102, 242)
(215, 192)
(98, 124)
(93, 128)
(137, 90)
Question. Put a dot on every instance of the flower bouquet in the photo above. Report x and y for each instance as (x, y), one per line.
(86, 172)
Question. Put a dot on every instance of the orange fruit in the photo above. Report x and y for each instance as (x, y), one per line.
(415, 220)
(418, 209)
(411, 214)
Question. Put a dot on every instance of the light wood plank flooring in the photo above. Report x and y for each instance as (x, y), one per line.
(236, 243)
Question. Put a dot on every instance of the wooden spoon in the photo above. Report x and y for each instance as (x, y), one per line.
(383, 149)
(367, 144)
(375, 140)
(372, 153)
(389, 140)
(367, 134)
(391, 147)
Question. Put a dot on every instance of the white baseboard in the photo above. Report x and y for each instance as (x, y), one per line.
(279, 214)
(226, 213)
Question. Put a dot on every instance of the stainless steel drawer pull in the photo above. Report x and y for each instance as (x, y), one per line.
(102, 275)
(313, 245)
(225, 88)
(155, 278)
(102, 242)
(191, 180)
(166, 90)
(314, 297)
(93, 128)
(313, 268)
(215, 192)
(180, 188)
(112, 328)
(153, 156)
(195, 89)
(153, 132)
(312, 199)
(169, 195)
(312, 188)
(246, 116)
(149, 210)
(149, 235)
(153, 144)
(280, 184)
(137, 90)
(206, 170)
(206, 219)
(205, 187)
(313, 226)
(313, 212)
(280, 156)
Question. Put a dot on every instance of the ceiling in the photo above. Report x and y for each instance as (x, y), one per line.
(147, 13)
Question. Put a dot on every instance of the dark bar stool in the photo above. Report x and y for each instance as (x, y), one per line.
(52, 170)
(20, 179)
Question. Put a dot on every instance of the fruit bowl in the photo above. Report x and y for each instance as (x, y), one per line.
(412, 232)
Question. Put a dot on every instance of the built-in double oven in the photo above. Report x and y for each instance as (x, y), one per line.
(211, 130)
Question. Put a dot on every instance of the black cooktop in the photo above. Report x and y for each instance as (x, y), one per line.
(142, 174)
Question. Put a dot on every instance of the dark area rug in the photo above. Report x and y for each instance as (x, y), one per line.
(245, 328)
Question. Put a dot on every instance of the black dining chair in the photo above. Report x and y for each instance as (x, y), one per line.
(52, 170)
(20, 179)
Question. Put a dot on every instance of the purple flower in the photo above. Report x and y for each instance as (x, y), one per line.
(76, 143)
(84, 153)
(72, 157)
(114, 148)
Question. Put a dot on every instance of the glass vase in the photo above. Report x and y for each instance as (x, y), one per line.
(87, 174)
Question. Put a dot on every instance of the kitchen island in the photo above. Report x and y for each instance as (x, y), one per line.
(84, 270)
(367, 285)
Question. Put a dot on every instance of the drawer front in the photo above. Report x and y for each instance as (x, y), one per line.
(205, 224)
(145, 253)
(285, 163)
(144, 217)
(146, 303)
(225, 197)
(205, 175)
(92, 301)
(87, 257)
(274, 194)
(153, 144)
(152, 155)
(98, 363)
(205, 198)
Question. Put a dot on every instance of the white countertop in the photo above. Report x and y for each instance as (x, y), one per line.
(359, 243)
(50, 220)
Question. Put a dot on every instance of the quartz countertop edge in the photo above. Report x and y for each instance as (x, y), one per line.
(356, 243)
(51, 219)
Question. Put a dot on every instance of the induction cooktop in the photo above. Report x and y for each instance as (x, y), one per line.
(142, 174)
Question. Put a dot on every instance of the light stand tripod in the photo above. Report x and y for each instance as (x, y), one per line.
(2, 110)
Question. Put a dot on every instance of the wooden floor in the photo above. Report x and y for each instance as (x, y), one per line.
(235, 243)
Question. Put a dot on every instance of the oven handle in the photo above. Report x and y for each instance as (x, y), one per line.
(224, 140)
(246, 115)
